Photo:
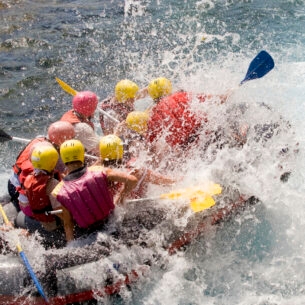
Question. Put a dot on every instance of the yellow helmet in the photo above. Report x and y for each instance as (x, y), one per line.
(44, 157)
(72, 150)
(159, 87)
(111, 148)
(137, 121)
(125, 89)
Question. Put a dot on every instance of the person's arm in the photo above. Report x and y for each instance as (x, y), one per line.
(68, 223)
(157, 178)
(65, 216)
(129, 181)
(142, 93)
(108, 122)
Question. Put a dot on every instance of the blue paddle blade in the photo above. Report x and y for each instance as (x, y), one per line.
(259, 66)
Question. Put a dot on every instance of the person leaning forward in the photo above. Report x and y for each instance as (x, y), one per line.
(37, 188)
(84, 194)
(118, 106)
(112, 152)
(58, 132)
(174, 126)
(84, 104)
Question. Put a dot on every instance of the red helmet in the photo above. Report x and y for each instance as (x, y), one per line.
(85, 103)
(60, 131)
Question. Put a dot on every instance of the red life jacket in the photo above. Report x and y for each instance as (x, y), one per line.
(173, 117)
(35, 186)
(23, 165)
(72, 118)
(25, 155)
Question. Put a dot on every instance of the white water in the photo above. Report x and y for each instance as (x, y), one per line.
(261, 261)
(258, 258)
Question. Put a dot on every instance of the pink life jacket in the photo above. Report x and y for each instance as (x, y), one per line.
(87, 197)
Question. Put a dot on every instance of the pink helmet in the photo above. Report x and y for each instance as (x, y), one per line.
(60, 131)
(85, 103)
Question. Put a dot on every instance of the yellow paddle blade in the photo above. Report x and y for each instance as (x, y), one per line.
(201, 203)
(66, 87)
(184, 193)
(200, 196)
(210, 189)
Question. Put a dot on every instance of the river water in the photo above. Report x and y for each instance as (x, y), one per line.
(202, 46)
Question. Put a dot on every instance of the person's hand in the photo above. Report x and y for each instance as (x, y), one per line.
(6, 227)
(142, 93)
(24, 232)
(9, 227)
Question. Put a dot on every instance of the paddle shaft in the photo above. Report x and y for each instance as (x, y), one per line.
(21, 140)
(31, 272)
(26, 141)
(108, 115)
(6, 221)
(200, 198)
(24, 258)
(142, 199)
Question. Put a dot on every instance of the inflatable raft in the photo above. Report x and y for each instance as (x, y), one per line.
(103, 264)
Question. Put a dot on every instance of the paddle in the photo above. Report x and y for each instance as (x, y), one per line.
(200, 197)
(24, 258)
(215, 218)
(73, 92)
(6, 137)
(259, 66)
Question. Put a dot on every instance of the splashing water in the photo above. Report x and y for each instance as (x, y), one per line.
(202, 46)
